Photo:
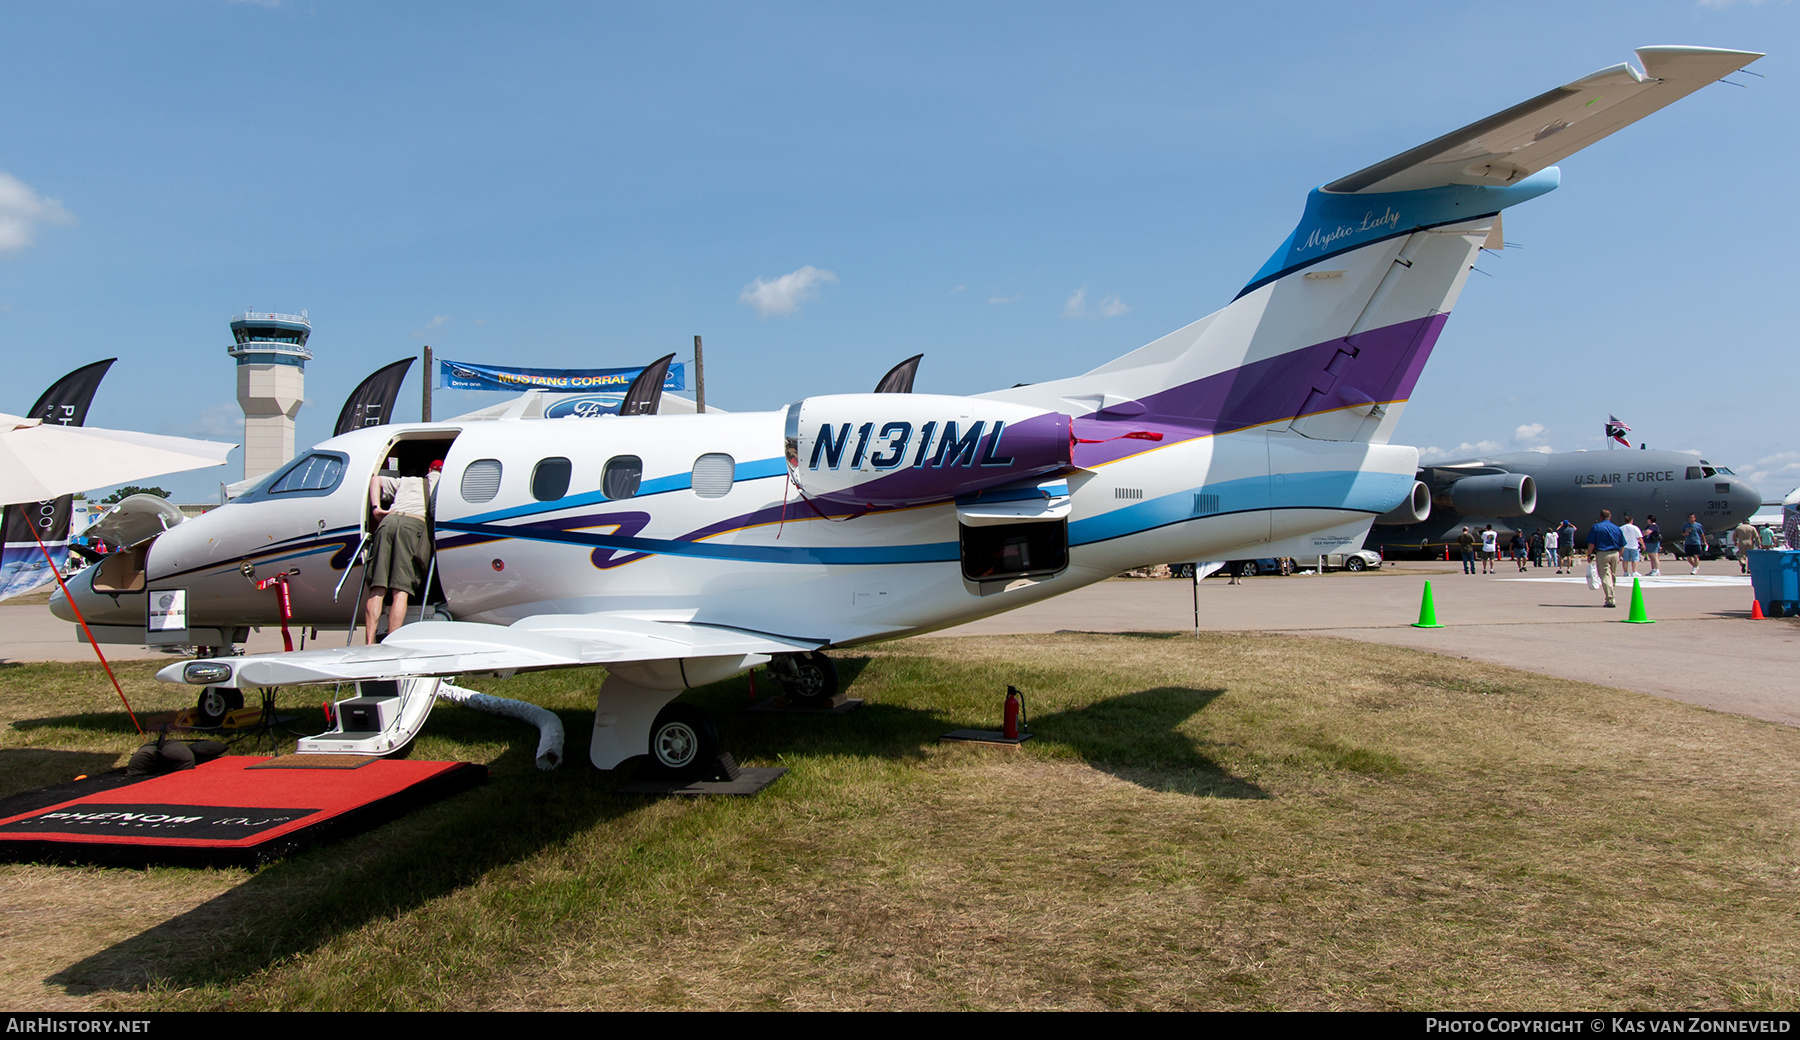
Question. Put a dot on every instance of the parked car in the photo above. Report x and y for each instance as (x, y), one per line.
(1262, 565)
(1355, 560)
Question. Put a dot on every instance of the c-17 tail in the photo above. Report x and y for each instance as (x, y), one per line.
(1329, 337)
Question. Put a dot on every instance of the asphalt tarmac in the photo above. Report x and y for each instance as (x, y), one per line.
(1702, 650)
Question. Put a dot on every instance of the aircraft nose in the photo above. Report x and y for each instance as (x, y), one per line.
(1745, 500)
(97, 609)
(59, 606)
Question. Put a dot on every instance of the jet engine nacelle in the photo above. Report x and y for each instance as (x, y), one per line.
(908, 449)
(1496, 494)
(1416, 509)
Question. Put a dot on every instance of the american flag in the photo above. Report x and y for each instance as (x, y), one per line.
(1617, 430)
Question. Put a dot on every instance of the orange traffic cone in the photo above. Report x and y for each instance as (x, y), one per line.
(1756, 613)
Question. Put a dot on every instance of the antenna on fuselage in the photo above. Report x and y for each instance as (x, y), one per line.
(899, 379)
(644, 396)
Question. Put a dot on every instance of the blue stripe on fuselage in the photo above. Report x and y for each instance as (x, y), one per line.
(757, 470)
(1348, 490)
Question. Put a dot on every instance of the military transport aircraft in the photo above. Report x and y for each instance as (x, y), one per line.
(678, 550)
(1526, 491)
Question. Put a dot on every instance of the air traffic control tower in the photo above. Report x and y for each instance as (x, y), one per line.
(271, 384)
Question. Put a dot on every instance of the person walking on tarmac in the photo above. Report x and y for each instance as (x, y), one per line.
(1466, 543)
(1604, 541)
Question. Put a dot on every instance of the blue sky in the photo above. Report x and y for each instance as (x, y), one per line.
(1020, 191)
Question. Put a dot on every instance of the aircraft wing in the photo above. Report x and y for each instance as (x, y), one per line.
(1509, 146)
(456, 647)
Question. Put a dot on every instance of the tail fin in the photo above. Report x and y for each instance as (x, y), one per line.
(1331, 334)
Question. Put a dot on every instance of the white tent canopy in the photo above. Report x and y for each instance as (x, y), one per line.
(39, 462)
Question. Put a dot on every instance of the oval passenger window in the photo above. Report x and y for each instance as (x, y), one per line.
(713, 475)
(550, 480)
(481, 480)
(622, 476)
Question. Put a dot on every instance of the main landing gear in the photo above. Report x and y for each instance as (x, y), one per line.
(808, 680)
(683, 742)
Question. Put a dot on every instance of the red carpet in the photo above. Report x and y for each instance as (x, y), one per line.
(226, 812)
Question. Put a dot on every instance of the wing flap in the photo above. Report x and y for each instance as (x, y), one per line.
(458, 647)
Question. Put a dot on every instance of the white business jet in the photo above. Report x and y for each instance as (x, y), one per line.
(678, 550)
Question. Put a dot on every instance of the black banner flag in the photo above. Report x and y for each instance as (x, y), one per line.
(65, 403)
(372, 402)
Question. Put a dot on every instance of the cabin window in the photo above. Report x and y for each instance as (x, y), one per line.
(622, 476)
(314, 473)
(481, 481)
(1693, 472)
(550, 479)
(713, 475)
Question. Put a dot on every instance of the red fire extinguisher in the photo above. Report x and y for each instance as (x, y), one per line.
(1015, 712)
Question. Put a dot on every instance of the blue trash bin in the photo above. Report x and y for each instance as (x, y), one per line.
(1775, 580)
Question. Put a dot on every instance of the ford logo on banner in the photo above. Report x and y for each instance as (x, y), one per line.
(584, 407)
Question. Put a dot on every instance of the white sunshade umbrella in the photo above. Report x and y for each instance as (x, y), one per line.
(39, 462)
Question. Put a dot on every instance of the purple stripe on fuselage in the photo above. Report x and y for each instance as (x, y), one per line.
(1385, 367)
(1028, 448)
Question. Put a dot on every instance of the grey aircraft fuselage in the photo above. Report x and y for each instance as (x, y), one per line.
(1575, 486)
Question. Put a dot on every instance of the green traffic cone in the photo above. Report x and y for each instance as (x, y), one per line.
(1427, 611)
(1637, 615)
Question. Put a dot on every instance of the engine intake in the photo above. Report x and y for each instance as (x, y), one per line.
(1496, 495)
(1416, 509)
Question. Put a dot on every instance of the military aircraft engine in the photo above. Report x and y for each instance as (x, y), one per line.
(908, 449)
(1494, 494)
(1416, 509)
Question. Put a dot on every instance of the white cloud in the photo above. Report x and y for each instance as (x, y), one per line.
(960, 288)
(1773, 473)
(435, 323)
(22, 210)
(785, 294)
(1435, 454)
(1077, 307)
(1528, 433)
(219, 422)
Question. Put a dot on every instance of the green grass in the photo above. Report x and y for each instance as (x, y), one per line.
(1219, 822)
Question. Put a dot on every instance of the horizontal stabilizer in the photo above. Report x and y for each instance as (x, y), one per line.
(459, 647)
(1534, 135)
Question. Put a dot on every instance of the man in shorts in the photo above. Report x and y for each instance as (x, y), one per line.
(401, 506)
(1653, 544)
(1490, 548)
(1634, 542)
(1693, 542)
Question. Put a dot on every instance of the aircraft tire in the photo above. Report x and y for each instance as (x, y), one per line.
(1776, 608)
(683, 741)
(216, 702)
(813, 681)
